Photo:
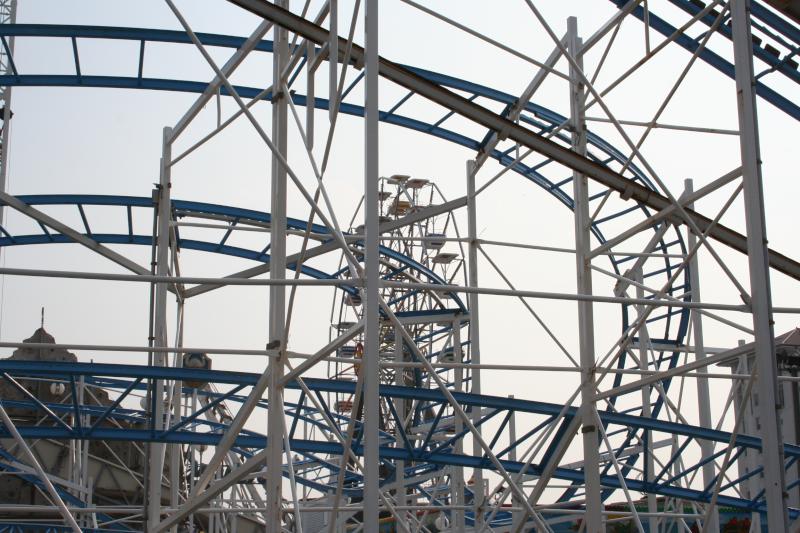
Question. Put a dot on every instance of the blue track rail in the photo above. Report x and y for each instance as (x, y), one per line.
(434, 455)
(787, 66)
(183, 208)
(672, 324)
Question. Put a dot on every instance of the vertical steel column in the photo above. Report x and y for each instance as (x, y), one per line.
(751, 460)
(647, 448)
(474, 333)
(8, 9)
(85, 482)
(371, 264)
(311, 72)
(457, 477)
(516, 516)
(277, 293)
(74, 460)
(77, 451)
(591, 449)
(703, 394)
(156, 459)
(195, 457)
(400, 407)
(761, 298)
(333, 59)
(9, 12)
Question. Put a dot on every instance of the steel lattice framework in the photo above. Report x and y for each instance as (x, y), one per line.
(387, 439)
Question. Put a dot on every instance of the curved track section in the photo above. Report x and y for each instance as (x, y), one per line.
(672, 324)
(434, 450)
(192, 210)
(668, 326)
(431, 455)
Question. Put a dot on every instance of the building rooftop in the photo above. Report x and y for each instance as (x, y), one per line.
(787, 350)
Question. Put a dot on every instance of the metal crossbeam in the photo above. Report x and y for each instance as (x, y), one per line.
(42, 218)
(62, 370)
(715, 60)
(251, 441)
(625, 186)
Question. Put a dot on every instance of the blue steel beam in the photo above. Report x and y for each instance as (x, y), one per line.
(439, 456)
(772, 21)
(715, 60)
(183, 208)
(386, 452)
(178, 37)
(186, 244)
(126, 34)
(177, 85)
(69, 498)
(777, 23)
(21, 369)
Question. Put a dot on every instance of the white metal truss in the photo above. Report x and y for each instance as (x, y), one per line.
(389, 422)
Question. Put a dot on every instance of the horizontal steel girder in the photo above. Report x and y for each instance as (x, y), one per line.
(508, 129)
(21, 369)
(421, 82)
(183, 208)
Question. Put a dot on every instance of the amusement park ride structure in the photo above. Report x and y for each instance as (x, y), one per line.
(386, 424)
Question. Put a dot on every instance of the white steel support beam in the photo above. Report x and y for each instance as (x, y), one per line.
(516, 516)
(328, 246)
(277, 293)
(5, 103)
(612, 23)
(628, 188)
(156, 449)
(671, 373)
(252, 272)
(761, 298)
(18, 205)
(214, 86)
(703, 394)
(9, 15)
(333, 58)
(400, 407)
(647, 441)
(474, 332)
(310, 93)
(332, 346)
(591, 452)
(202, 491)
(71, 274)
(51, 490)
(457, 477)
(371, 271)
(176, 450)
